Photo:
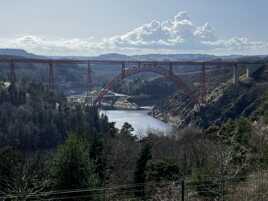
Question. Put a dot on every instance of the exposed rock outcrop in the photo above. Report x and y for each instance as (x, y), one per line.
(224, 102)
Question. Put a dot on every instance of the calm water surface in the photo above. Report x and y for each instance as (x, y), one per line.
(139, 119)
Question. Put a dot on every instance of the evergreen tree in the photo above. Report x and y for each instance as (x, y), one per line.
(162, 170)
(71, 167)
(97, 156)
(126, 129)
(8, 161)
(139, 174)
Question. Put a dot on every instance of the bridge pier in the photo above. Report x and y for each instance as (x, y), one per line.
(89, 78)
(235, 74)
(251, 69)
(170, 69)
(50, 76)
(12, 76)
(139, 66)
(123, 70)
(204, 90)
(248, 72)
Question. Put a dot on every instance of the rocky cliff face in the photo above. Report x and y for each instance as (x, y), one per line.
(224, 102)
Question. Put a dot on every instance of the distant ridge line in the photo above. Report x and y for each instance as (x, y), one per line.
(104, 61)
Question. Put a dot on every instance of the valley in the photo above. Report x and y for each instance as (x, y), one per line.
(140, 100)
(141, 127)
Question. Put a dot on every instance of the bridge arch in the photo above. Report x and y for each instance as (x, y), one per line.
(168, 74)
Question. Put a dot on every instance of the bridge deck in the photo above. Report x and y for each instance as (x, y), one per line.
(81, 61)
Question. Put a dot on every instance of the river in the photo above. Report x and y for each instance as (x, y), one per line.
(139, 119)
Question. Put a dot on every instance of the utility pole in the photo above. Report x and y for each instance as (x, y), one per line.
(182, 190)
(222, 177)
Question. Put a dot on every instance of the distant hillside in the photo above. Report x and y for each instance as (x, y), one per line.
(18, 53)
(69, 78)
(159, 57)
(146, 57)
(113, 56)
(175, 57)
(225, 102)
(73, 77)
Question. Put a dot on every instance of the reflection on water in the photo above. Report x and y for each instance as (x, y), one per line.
(139, 119)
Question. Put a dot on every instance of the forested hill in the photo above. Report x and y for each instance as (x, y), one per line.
(68, 78)
(225, 102)
(33, 118)
(50, 149)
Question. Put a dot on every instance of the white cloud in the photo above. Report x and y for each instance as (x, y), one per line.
(178, 34)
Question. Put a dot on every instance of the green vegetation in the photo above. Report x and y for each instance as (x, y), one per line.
(139, 174)
(72, 167)
(157, 87)
(51, 149)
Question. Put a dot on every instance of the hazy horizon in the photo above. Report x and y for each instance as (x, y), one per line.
(125, 54)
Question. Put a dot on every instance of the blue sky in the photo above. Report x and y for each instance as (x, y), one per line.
(90, 27)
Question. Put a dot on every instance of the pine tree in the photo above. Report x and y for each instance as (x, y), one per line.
(139, 174)
(71, 167)
(97, 156)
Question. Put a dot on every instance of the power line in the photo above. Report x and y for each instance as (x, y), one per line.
(96, 190)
